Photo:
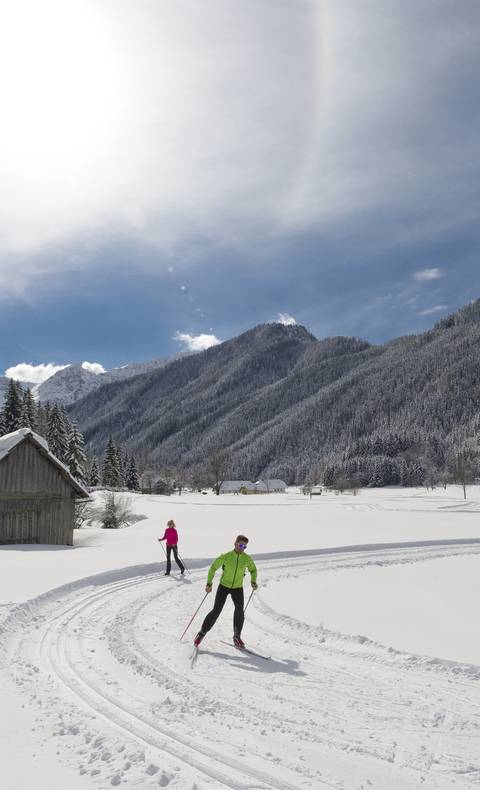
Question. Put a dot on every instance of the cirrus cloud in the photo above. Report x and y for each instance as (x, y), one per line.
(425, 275)
(431, 310)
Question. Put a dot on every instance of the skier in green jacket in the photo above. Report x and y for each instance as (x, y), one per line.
(234, 564)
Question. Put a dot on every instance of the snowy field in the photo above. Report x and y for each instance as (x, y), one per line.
(367, 605)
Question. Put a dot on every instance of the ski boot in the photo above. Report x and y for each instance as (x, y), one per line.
(238, 642)
(198, 638)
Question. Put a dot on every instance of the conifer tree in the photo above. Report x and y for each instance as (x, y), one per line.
(12, 407)
(66, 420)
(94, 476)
(110, 468)
(29, 410)
(131, 477)
(41, 419)
(76, 458)
(122, 461)
(57, 436)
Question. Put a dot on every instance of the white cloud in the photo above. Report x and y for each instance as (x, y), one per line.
(36, 374)
(187, 96)
(230, 120)
(430, 310)
(93, 367)
(425, 275)
(285, 319)
(196, 342)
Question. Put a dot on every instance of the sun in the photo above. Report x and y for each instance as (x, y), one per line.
(59, 86)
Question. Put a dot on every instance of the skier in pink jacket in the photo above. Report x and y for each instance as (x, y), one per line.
(171, 536)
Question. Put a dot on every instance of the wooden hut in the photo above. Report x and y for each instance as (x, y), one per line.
(37, 492)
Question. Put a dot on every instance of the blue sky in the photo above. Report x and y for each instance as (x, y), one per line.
(213, 166)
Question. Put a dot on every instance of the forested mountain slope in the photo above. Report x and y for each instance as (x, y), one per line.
(283, 402)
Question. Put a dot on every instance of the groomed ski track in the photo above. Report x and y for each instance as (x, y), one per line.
(114, 687)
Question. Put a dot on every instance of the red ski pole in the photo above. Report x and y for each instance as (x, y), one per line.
(192, 619)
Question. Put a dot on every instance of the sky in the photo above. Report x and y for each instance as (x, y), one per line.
(172, 174)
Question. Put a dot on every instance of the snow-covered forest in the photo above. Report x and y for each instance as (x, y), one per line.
(280, 403)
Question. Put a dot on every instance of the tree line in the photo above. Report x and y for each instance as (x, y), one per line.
(65, 440)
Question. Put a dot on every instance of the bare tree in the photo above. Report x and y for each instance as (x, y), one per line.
(218, 465)
(180, 477)
(198, 478)
(116, 511)
(463, 470)
(82, 512)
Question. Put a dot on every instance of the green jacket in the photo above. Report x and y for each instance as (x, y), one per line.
(234, 566)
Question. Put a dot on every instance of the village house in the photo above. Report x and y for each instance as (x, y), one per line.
(37, 492)
(246, 486)
(270, 486)
(234, 486)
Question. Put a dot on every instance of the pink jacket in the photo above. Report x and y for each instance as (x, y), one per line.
(171, 535)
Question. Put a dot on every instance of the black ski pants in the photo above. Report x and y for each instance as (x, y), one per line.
(220, 598)
(177, 560)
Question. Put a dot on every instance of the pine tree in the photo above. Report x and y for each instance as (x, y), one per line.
(122, 461)
(41, 419)
(131, 477)
(76, 458)
(110, 468)
(57, 436)
(94, 477)
(12, 407)
(66, 420)
(29, 410)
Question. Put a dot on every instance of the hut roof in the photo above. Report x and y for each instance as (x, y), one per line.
(234, 485)
(12, 440)
(272, 483)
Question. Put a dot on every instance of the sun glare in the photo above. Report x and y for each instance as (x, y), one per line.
(59, 85)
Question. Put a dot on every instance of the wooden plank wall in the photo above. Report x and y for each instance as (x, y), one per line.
(34, 498)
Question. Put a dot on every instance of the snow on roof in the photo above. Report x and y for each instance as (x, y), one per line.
(271, 483)
(237, 484)
(11, 440)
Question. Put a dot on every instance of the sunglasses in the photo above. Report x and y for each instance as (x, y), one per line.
(242, 545)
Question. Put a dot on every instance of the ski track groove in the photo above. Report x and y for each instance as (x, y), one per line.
(108, 613)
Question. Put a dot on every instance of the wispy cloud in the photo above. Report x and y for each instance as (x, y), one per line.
(430, 310)
(285, 319)
(36, 374)
(196, 342)
(425, 275)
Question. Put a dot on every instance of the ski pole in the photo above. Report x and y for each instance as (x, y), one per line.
(183, 563)
(249, 599)
(163, 547)
(193, 617)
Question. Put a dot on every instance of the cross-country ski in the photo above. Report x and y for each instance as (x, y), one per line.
(248, 650)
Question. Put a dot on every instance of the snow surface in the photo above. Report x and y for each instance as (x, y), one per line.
(366, 605)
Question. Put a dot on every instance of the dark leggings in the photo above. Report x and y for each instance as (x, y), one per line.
(220, 598)
(175, 554)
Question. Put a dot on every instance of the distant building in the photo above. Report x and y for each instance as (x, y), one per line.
(234, 486)
(37, 492)
(270, 486)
